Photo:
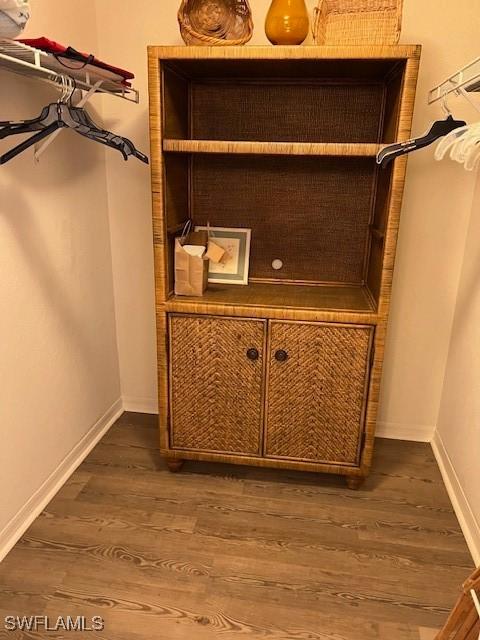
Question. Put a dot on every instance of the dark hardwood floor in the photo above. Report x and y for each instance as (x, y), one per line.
(227, 552)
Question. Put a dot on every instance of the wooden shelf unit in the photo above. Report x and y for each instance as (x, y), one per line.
(281, 140)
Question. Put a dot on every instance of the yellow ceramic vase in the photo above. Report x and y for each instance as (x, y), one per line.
(287, 22)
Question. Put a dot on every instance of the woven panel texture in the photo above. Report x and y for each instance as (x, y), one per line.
(216, 390)
(311, 213)
(269, 111)
(316, 397)
(368, 28)
(362, 6)
(353, 22)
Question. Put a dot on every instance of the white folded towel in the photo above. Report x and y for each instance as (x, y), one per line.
(14, 15)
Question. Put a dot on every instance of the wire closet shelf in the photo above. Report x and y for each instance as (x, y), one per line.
(24, 60)
(466, 80)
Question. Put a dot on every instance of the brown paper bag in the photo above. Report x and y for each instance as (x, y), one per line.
(191, 272)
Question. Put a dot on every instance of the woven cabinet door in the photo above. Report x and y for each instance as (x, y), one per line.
(216, 384)
(317, 391)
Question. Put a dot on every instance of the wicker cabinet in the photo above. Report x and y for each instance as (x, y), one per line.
(311, 387)
(317, 390)
(216, 384)
(285, 371)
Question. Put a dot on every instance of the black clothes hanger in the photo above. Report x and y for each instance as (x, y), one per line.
(27, 143)
(124, 145)
(438, 130)
(59, 115)
(23, 126)
(49, 121)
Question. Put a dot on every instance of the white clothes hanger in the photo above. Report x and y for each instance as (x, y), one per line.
(462, 144)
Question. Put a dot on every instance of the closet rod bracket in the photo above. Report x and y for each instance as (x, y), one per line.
(465, 80)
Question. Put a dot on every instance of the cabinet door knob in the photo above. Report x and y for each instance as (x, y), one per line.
(252, 354)
(281, 355)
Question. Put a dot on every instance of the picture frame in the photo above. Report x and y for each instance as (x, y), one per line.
(234, 267)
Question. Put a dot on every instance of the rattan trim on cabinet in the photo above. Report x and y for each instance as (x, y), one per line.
(163, 379)
(272, 148)
(177, 305)
(394, 205)
(305, 52)
(273, 463)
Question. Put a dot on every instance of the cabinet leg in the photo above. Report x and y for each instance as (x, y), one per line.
(174, 464)
(354, 482)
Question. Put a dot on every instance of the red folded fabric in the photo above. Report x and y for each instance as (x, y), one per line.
(50, 46)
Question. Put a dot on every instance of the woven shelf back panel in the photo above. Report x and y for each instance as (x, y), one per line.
(348, 22)
(331, 112)
(311, 213)
(215, 22)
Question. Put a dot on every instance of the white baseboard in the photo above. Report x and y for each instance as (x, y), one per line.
(20, 522)
(466, 518)
(399, 431)
(140, 405)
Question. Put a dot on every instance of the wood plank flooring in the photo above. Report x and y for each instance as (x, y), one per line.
(224, 552)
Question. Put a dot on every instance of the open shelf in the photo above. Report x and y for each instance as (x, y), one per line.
(293, 296)
(338, 105)
(271, 148)
(315, 214)
(286, 148)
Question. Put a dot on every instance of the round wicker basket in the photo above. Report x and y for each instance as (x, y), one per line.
(215, 22)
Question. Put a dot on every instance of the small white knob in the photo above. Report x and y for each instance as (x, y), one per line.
(277, 264)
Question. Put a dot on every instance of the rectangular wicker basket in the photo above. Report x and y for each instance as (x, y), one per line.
(350, 22)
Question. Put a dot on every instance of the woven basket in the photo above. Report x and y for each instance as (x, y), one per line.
(215, 22)
(353, 22)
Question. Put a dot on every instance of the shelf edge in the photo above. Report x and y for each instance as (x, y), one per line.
(272, 148)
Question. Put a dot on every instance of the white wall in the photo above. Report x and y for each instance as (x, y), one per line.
(129, 193)
(58, 358)
(435, 214)
(457, 441)
(431, 240)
